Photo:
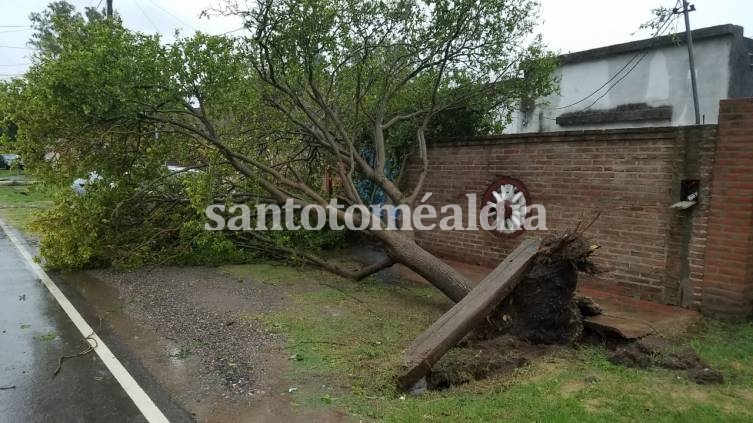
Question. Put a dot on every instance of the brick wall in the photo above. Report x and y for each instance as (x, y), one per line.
(727, 288)
(699, 257)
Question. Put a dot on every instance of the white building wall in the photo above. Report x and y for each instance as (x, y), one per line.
(661, 78)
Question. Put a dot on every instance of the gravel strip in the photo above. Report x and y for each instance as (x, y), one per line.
(209, 314)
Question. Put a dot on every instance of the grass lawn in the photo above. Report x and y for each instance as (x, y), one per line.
(4, 173)
(345, 341)
(18, 203)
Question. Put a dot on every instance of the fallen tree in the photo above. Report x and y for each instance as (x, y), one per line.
(339, 87)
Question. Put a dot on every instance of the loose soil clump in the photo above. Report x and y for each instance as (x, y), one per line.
(658, 352)
(477, 359)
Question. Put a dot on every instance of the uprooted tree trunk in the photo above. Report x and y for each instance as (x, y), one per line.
(405, 251)
(401, 249)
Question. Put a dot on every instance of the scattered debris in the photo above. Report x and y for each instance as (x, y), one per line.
(657, 351)
(420, 387)
(182, 353)
(91, 345)
(47, 337)
(587, 306)
(477, 359)
(630, 356)
(706, 376)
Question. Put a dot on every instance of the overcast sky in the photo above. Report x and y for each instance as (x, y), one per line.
(566, 25)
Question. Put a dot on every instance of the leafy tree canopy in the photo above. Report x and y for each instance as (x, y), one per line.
(315, 89)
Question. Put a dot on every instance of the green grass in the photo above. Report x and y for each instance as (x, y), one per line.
(47, 337)
(10, 172)
(729, 348)
(18, 203)
(182, 353)
(349, 336)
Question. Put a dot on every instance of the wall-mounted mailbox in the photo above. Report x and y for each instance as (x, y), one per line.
(690, 192)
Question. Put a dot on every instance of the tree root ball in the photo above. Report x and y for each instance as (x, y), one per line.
(544, 305)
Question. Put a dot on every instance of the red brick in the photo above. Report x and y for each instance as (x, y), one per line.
(632, 177)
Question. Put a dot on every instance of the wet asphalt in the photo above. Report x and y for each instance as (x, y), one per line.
(34, 333)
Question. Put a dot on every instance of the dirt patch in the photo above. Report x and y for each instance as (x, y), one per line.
(477, 359)
(657, 351)
(200, 333)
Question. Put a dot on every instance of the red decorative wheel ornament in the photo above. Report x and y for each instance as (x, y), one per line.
(509, 201)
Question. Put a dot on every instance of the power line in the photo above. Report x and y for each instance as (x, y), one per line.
(626, 73)
(15, 26)
(16, 64)
(616, 82)
(232, 30)
(656, 35)
(15, 30)
(17, 48)
(146, 16)
(179, 20)
(598, 89)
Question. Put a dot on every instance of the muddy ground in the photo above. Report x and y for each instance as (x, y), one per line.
(195, 330)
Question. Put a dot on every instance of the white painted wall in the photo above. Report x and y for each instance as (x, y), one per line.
(661, 78)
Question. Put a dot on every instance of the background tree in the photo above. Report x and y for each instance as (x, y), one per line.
(58, 17)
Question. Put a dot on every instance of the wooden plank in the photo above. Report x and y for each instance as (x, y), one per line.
(449, 329)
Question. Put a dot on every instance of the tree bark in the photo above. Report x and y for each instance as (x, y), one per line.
(405, 251)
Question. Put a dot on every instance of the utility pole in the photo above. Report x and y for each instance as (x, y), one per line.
(109, 9)
(686, 9)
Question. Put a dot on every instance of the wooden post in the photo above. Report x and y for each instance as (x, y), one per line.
(449, 329)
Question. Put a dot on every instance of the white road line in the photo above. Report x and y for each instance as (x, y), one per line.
(129, 384)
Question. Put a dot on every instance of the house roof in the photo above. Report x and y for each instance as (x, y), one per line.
(652, 43)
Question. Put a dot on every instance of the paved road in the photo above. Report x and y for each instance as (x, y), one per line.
(34, 333)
